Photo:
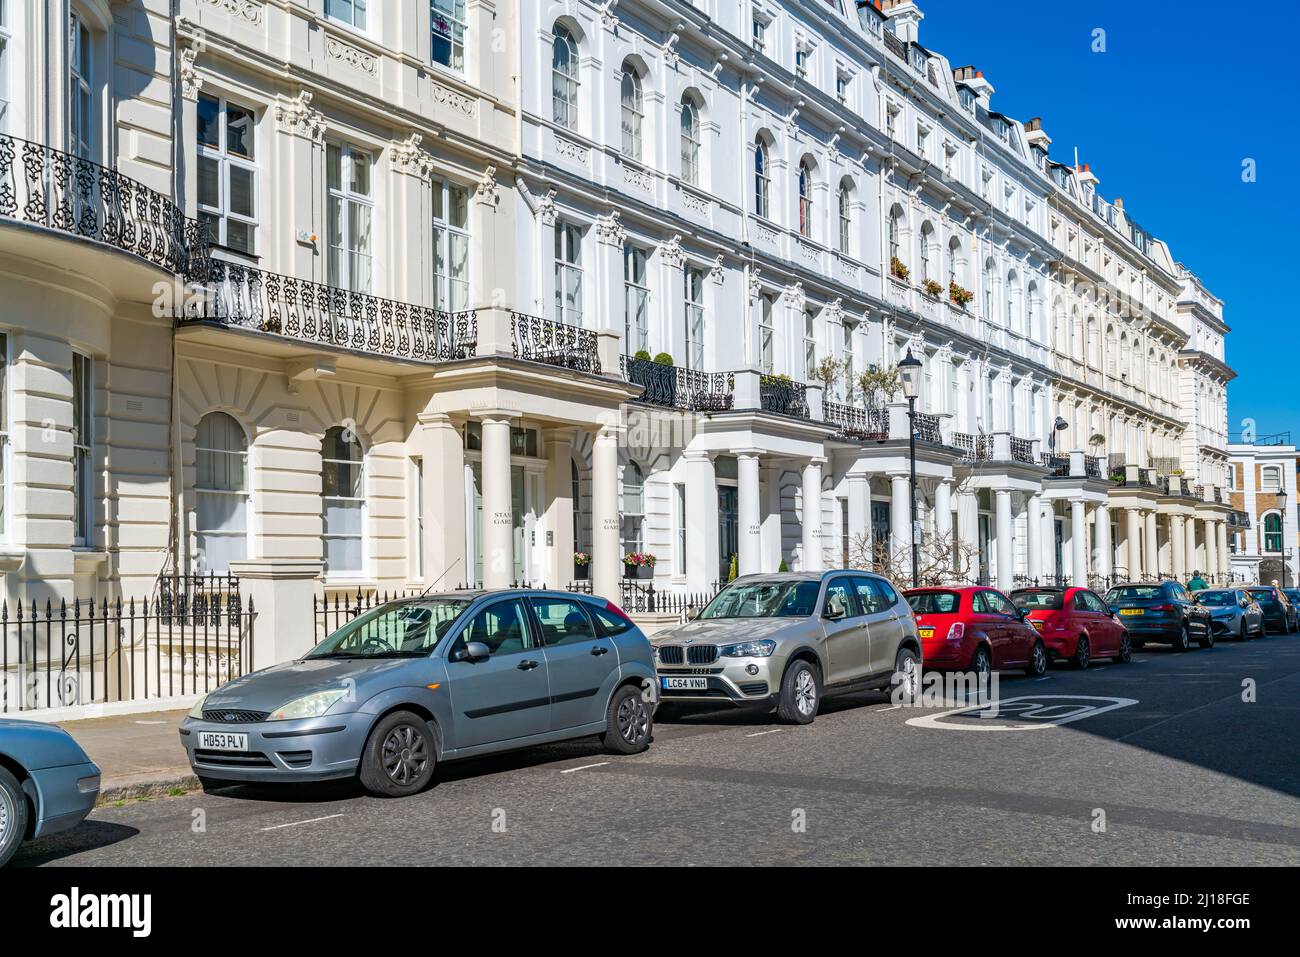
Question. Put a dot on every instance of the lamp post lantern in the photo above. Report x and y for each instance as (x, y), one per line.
(909, 370)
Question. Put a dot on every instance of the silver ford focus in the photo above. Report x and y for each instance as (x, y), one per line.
(782, 641)
(438, 678)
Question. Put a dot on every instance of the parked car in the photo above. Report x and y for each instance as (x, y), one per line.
(1279, 612)
(975, 629)
(1075, 624)
(1234, 612)
(47, 783)
(782, 641)
(420, 681)
(1293, 596)
(1163, 612)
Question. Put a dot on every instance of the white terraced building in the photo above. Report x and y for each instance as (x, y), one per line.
(351, 296)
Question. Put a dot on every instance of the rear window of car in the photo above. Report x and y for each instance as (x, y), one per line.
(1135, 593)
(1263, 594)
(609, 623)
(1217, 598)
(1039, 600)
(935, 602)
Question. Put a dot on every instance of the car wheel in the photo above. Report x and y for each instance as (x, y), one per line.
(13, 816)
(801, 693)
(399, 758)
(905, 685)
(1206, 640)
(1037, 661)
(1125, 650)
(1243, 632)
(627, 722)
(1183, 640)
(981, 663)
(1082, 654)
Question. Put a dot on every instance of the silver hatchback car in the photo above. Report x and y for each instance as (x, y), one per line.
(782, 641)
(430, 679)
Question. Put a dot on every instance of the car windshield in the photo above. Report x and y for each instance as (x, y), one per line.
(779, 599)
(1292, 593)
(1217, 598)
(408, 630)
(1263, 594)
(934, 602)
(1135, 593)
(1039, 600)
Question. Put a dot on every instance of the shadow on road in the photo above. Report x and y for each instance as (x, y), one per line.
(90, 835)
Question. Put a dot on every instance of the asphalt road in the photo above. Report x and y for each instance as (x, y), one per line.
(1189, 774)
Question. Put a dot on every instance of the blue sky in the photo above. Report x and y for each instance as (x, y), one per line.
(1183, 94)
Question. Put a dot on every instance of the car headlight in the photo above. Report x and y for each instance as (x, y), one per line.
(309, 706)
(197, 710)
(749, 649)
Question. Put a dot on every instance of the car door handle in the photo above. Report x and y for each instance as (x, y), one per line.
(527, 665)
(599, 650)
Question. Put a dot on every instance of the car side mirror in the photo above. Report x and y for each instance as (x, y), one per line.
(472, 652)
(834, 608)
(1022, 613)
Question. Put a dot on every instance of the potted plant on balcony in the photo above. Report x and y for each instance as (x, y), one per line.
(959, 295)
(663, 359)
(581, 566)
(828, 373)
(898, 269)
(931, 288)
(642, 355)
(638, 565)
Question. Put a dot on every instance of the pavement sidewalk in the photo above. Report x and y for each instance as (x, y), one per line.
(139, 755)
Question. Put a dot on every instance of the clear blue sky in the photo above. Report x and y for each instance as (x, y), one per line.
(1183, 94)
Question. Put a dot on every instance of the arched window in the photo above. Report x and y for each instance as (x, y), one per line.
(633, 508)
(988, 289)
(1031, 309)
(762, 180)
(954, 261)
(564, 78)
(846, 218)
(927, 241)
(1010, 296)
(633, 112)
(575, 491)
(690, 141)
(805, 199)
(343, 502)
(1273, 532)
(895, 250)
(221, 492)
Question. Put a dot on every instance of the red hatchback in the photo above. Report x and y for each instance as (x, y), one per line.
(1076, 625)
(974, 629)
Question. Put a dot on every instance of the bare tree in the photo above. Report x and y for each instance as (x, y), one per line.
(941, 559)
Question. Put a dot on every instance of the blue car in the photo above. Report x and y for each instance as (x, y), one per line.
(419, 681)
(47, 783)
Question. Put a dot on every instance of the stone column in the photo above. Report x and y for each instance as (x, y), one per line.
(1047, 531)
(1105, 550)
(1152, 550)
(1177, 539)
(1078, 542)
(968, 530)
(559, 507)
(860, 518)
(900, 519)
(1005, 551)
(812, 560)
(1225, 559)
(1034, 537)
(606, 562)
(701, 522)
(497, 533)
(1192, 563)
(1134, 540)
(749, 517)
(443, 453)
(280, 591)
(1211, 552)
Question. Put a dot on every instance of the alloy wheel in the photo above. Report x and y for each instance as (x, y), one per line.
(1040, 659)
(1125, 648)
(5, 817)
(1083, 652)
(910, 678)
(405, 754)
(805, 692)
(633, 720)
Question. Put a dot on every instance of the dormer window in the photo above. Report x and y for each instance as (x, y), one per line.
(759, 35)
(802, 58)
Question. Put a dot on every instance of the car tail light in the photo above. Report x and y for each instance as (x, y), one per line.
(957, 631)
(1162, 607)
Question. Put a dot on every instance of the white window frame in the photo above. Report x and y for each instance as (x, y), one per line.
(762, 180)
(569, 79)
(83, 450)
(632, 113)
(82, 139)
(810, 344)
(245, 493)
(693, 299)
(361, 500)
(806, 181)
(417, 518)
(633, 520)
(692, 141)
(766, 333)
(226, 162)
(636, 335)
(343, 201)
(445, 235)
(350, 21)
(6, 446)
(846, 219)
(568, 240)
(679, 527)
(6, 42)
(458, 26)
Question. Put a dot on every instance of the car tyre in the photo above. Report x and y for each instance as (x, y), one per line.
(628, 722)
(981, 662)
(1243, 633)
(1206, 640)
(905, 684)
(399, 757)
(1125, 649)
(1183, 641)
(1082, 656)
(13, 815)
(1037, 666)
(801, 693)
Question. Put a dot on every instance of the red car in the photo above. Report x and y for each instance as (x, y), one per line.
(974, 629)
(1076, 625)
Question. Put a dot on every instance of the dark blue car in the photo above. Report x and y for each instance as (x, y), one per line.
(47, 783)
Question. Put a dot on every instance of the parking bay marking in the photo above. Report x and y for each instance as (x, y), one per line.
(1034, 712)
(759, 734)
(276, 827)
(598, 764)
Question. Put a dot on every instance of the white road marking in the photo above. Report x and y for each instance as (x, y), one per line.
(151, 722)
(759, 734)
(1026, 713)
(584, 767)
(276, 827)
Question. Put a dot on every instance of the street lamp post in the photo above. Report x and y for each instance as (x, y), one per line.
(910, 371)
(1281, 507)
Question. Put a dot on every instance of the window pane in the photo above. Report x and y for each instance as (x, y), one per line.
(458, 206)
(502, 628)
(239, 131)
(333, 167)
(209, 183)
(241, 191)
(563, 622)
(240, 236)
(208, 117)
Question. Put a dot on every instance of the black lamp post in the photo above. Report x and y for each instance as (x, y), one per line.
(1281, 507)
(910, 371)
(1057, 426)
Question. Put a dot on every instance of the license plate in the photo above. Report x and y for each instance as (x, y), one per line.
(222, 741)
(1132, 611)
(685, 684)
(927, 632)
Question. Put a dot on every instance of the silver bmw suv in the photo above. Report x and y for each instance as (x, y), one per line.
(782, 641)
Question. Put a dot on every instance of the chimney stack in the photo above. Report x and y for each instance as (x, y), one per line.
(905, 17)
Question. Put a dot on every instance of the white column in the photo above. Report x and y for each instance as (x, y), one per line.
(1078, 542)
(559, 569)
(498, 513)
(1212, 552)
(1190, 531)
(1047, 534)
(812, 516)
(1006, 554)
(1105, 551)
(900, 519)
(1177, 539)
(606, 562)
(943, 511)
(1152, 565)
(968, 530)
(1225, 561)
(1034, 537)
(1134, 538)
(749, 560)
(860, 543)
(701, 522)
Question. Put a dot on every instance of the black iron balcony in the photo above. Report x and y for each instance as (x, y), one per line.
(862, 425)
(56, 190)
(974, 448)
(1092, 466)
(245, 297)
(927, 429)
(783, 396)
(675, 388)
(1022, 450)
(554, 343)
(1057, 465)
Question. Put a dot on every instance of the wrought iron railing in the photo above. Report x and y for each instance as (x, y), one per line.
(1092, 466)
(927, 429)
(1057, 465)
(783, 396)
(864, 425)
(246, 297)
(554, 343)
(56, 190)
(1022, 450)
(677, 388)
(974, 448)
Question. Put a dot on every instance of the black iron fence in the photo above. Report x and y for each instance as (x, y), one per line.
(863, 425)
(676, 388)
(132, 650)
(783, 396)
(974, 448)
(1022, 450)
(63, 192)
(555, 343)
(927, 429)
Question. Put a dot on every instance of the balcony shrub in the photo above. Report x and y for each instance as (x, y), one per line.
(642, 355)
(898, 269)
(931, 288)
(959, 295)
(663, 359)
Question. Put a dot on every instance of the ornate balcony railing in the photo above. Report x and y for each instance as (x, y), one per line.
(554, 343)
(1057, 465)
(863, 425)
(1092, 466)
(974, 448)
(1022, 450)
(783, 396)
(245, 297)
(676, 388)
(56, 190)
(927, 429)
